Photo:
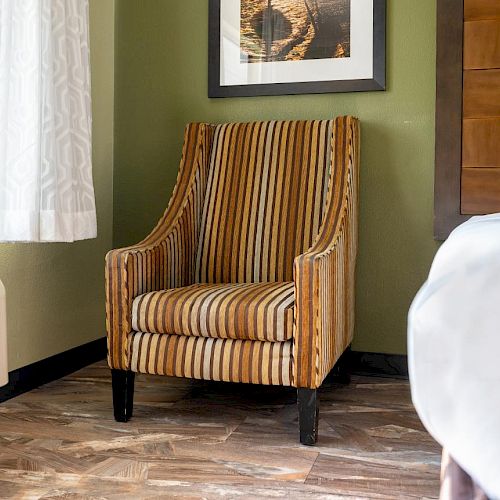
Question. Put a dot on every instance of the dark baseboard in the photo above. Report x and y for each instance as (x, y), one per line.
(380, 365)
(47, 370)
(29, 377)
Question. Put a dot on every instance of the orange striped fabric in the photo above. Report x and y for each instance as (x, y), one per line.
(325, 275)
(265, 199)
(254, 203)
(246, 311)
(165, 258)
(248, 361)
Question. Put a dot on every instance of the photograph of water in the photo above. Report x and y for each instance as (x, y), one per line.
(294, 30)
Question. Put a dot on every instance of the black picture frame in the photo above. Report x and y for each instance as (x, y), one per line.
(377, 83)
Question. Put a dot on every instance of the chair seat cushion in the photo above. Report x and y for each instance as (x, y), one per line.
(245, 311)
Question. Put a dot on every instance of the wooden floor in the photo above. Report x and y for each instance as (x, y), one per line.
(193, 439)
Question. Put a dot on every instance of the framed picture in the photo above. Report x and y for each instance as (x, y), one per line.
(275, 47)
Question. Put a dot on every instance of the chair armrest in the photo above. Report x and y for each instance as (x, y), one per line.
(166, 257)
(324, 275)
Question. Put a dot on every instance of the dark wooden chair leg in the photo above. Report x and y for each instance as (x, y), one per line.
(123, 394)
(341, 372)
(308, 403)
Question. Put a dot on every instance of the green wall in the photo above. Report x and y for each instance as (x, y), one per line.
(161, 83)
(55, 291)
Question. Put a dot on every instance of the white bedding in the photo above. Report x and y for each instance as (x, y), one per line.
(454, 349)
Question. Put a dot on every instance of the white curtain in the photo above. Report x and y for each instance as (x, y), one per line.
(46, 188)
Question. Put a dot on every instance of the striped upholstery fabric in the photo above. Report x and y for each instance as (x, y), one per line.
(265, 199)
(165, 258)
(258, 203)
(324, 275)
(246, 311)
(249, 361)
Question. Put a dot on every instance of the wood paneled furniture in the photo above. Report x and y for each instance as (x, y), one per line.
(249, 275)
(467, 112)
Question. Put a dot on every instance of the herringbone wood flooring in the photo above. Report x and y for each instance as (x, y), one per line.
(195, 439)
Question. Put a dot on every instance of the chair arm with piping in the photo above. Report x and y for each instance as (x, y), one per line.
(324, 275)
(165, 258)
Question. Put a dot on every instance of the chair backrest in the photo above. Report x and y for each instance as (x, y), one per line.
(265, 199)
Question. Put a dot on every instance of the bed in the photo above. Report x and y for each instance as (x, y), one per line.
(453, 356)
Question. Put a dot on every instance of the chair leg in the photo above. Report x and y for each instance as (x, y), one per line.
(123, 394)
(308, 403)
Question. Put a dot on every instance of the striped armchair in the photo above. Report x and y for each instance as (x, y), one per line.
(249, 275)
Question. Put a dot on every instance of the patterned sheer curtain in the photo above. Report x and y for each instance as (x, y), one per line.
(46, 188)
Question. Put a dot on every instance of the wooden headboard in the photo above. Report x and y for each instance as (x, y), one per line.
(467, 112)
